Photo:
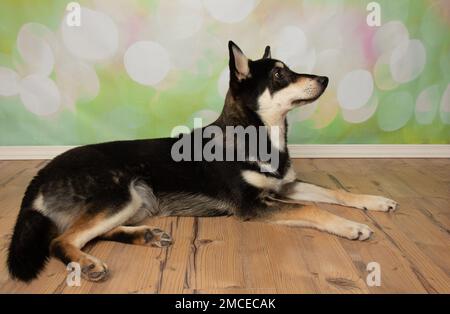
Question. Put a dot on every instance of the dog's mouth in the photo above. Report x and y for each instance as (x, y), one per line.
(320, 85)
(303, 101)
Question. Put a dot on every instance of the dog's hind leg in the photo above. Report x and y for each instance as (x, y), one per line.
(140, 235)
(311, 216)
(97, 220)
(67, 247)
(301, 191)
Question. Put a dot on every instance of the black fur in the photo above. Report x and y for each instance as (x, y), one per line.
(29, 249)
(97, 177)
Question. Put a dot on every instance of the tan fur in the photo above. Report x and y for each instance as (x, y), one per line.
(67, 247)
(311, 216)
(139, 235)
(302, 191)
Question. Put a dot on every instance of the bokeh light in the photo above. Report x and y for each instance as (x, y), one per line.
(96, 39)
(147, 62)
(40, 95)
(155, 64)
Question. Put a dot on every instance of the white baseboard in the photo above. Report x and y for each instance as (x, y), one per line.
(295, 150)
(370, 151)
(31, 152)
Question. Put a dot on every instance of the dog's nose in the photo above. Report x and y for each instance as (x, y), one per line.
(323, 80)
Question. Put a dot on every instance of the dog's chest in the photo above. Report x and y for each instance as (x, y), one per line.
(265, 181)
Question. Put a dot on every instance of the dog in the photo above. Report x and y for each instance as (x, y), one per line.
(103, 191)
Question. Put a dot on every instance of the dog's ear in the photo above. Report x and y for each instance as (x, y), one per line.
(239, 68)
(267, 53)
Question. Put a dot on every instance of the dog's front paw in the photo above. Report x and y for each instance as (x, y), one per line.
(355, 231)
(378, 203)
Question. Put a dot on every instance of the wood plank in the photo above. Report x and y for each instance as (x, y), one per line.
(178, 268)
(331, 265)
(396, 274)
(428, 186)
(224, 255)
(216, 254)
(436, 168)
(433, 278)
(436, 209)
(274, 258)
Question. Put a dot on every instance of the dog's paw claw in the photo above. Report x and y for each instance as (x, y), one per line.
(357, 231)
(93, 269)
(379, 203)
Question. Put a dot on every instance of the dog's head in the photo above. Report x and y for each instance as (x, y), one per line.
(268, 86)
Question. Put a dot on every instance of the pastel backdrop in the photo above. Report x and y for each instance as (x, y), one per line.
(136, 69)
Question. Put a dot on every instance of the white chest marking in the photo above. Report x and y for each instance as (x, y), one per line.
(265, 182)
(273, 114)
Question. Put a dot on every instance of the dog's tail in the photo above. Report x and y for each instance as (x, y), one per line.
(30, 244)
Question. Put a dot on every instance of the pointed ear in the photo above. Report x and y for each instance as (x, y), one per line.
(267, 53)
(239, 67)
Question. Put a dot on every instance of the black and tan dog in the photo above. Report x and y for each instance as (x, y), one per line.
(105, 190)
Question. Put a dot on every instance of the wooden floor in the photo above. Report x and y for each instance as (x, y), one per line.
(223, 255)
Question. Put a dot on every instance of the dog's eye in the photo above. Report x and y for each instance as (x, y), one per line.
(278, 74)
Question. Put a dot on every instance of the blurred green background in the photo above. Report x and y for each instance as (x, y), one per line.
(136, 69)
